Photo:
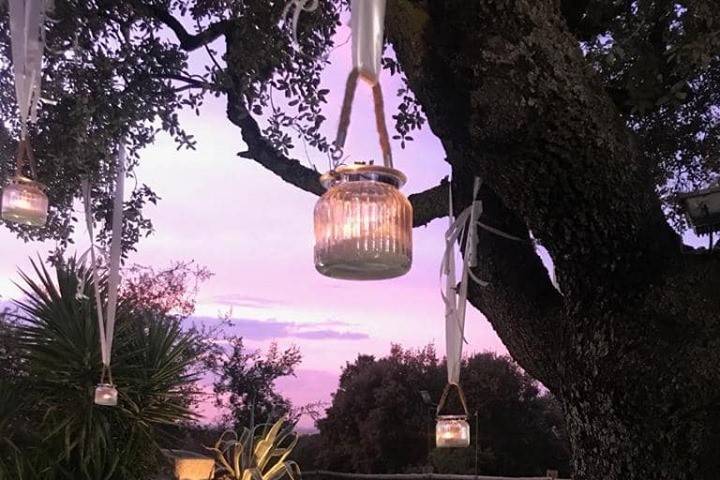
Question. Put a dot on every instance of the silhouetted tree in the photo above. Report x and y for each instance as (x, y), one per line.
(245, 384)
(378, 422)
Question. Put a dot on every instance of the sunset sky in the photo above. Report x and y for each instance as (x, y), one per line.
(254, 232)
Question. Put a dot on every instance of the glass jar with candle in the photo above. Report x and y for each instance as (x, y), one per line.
(24, 201)
(106, 394)
(452, 431)
(363, 224)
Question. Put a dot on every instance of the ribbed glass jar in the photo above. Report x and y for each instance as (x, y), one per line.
(452, 431)
(363, 224)
(24, 201)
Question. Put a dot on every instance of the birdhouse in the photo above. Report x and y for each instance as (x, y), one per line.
(24, 201)
(106, 394)
(363, 224)
(702, 208)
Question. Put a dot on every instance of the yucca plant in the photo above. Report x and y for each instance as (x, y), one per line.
(59, 340)
(258, 453)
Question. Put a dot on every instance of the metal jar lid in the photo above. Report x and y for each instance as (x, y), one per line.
(361, 172)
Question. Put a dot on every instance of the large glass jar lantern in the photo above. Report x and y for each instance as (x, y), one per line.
(363, 224)
(24, 201)
(452, 431)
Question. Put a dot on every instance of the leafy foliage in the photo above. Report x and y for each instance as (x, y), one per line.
(60, 359)
(378, 423)
(246, 381)
(258, 453)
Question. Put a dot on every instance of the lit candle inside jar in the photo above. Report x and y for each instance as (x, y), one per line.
(452, 431)
(106, 394)
(23, 201)
(363, 225)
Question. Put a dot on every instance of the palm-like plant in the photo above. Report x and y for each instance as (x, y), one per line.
(257, 454)
(59, 340)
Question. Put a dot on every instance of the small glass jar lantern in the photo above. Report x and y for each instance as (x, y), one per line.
(363, 224)
(24, 201)
(106, 394)
(703, 209)
(452, 431)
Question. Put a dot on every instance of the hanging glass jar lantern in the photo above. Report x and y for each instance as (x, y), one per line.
(106, 394)
(23, 199)
(452, 431)
(702, 208)
(363, 224)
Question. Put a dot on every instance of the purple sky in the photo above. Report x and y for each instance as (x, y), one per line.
(254, 232)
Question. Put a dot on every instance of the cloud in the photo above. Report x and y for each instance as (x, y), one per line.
(241, 300)
(253, 329)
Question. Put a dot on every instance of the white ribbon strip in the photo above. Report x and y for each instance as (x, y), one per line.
(367, 21)
(115, 251)
(454, 296)
(300, 6)
(28, 43)
(106, 323)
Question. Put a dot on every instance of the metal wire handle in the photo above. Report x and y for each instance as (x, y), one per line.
(444, 395)
(24, 150)
(346, 111)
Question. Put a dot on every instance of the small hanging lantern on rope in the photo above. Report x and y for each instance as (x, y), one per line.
(452, 431)
(363, 224)
(105, 392)
(23, 199)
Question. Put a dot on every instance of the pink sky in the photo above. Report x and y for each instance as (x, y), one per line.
(254, 232)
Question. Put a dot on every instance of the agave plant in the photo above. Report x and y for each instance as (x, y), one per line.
(59, 339)
(260, 453)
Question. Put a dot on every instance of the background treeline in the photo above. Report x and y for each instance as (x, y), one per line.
(377, 421)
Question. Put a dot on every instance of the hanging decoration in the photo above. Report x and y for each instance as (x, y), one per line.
(363, 224)
(454, 430)
(105, 392)
(23, 199)
(297, 6)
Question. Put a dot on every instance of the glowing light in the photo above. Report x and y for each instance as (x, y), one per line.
(25, 202)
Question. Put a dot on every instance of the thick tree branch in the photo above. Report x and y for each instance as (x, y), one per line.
(188, 41)
(427, 205)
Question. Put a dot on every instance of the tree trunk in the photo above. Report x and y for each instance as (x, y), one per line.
(631, 345)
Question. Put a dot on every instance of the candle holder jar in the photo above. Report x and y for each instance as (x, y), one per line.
(24, 201)
(106, 394)
(363, 224)
(452, 431)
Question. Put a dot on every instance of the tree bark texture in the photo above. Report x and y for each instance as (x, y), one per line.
(631, 346)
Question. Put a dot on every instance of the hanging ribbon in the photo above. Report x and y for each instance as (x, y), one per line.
(28, 43)
(367, 21)
(454, 296)
(299, 7)
(106, 323)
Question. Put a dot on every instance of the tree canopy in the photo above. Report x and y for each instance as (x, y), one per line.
(583, 117)
(378, 422)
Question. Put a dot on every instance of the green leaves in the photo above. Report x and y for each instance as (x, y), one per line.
(59, 345)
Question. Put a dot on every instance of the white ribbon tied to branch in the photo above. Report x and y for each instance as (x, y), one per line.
(299, 7)
(28, 42)
(106, 322)
(455, 296)
(367, 21)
